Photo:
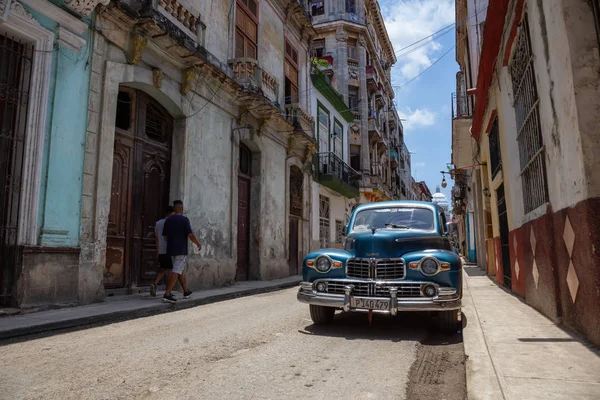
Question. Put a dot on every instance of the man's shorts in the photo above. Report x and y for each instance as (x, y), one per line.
(165, 262)
(179, 264)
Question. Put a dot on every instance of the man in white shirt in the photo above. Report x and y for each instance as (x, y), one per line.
(165, 263)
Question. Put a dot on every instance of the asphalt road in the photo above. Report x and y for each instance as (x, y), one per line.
(259, 347)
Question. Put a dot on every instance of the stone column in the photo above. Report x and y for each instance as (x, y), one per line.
(363, 106)
(341, 62)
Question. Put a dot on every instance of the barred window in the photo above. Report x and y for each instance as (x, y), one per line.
(324, 232)
(339, 231)
(296, 190)
(495, 153)
(529, 134)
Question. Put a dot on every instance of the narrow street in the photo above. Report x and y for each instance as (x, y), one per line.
(259, 347)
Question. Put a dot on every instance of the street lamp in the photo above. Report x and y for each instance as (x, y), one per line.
(444, 183)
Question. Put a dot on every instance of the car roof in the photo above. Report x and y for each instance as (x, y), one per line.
(397, 203)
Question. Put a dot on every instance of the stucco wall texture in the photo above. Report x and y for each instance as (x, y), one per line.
(554, 253)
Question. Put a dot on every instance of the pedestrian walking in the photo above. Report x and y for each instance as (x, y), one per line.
(165, 263)
(177, 230)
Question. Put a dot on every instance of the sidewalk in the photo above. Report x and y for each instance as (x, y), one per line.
(514, 352)
(130, 306)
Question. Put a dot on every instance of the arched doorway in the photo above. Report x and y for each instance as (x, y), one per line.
(140, 188)
(296, 208)
(243, 234)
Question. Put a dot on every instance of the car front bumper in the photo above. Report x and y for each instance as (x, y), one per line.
(446, 299)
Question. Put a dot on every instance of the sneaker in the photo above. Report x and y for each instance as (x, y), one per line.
(153, 290)
(188, 294)
(169, 299)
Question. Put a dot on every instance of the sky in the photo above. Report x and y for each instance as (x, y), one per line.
(425, 103)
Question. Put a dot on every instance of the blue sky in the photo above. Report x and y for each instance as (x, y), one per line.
(425, 102)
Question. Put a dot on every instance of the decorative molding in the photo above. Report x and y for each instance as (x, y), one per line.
(157, 77)
(70, 40)
(84, 7)
(138, 43)
(341, 35)
(57, 14)
(362, 42)
(24, 26)
(189, 75)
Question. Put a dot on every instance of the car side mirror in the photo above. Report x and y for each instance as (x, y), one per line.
(344, 229)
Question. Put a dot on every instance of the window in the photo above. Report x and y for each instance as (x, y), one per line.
(318, 49)
(338, 139)
(245, 160)
(124, 107)
(291, 74)
(296, 190)
(394, 218)
(317, 7)
(355, 157)
(352, 49)
(351, 6)
(353, 98)
(324, 232)
(323, 129)
(339, 231)
(529, 134)
(246, 29)
(495, 154)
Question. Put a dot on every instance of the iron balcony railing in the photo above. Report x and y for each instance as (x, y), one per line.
(332, 171)
(462, 105)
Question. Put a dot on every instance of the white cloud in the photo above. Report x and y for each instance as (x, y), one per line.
(420, 117)
(408, 21)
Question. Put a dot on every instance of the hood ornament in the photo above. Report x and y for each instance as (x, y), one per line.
(373, 230)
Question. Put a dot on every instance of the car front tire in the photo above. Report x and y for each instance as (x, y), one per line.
(321, 315)
(449, 322)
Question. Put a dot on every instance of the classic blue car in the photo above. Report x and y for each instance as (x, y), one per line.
(397, 257)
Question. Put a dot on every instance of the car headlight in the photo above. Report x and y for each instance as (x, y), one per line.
(323, 264)
(429, 266)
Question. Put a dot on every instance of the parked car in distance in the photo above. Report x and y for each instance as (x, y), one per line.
(397, 258)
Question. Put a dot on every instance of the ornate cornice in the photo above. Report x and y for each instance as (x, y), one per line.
(84, 7)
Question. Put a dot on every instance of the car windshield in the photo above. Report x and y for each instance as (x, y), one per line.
(394, 218)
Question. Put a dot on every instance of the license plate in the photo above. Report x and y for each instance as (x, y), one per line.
(370, 304)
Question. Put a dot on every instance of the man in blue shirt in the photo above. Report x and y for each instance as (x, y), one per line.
(177, 230)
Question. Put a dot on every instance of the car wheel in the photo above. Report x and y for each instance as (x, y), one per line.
(448, 321)
(321, 315)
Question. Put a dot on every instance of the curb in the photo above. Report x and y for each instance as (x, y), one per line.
(125, 315)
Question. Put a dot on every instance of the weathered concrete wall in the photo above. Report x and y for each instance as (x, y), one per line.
(48, 276)
(339, 209)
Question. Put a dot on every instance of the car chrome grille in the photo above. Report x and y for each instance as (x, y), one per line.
(358, 268)
(373, 289)
(385, 268)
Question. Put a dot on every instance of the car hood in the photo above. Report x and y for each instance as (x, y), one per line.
(393, 242)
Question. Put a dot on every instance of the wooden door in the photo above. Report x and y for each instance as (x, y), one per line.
(293, 246)
(116, 270)
(151, 185)
(140, 189)
(243, 234)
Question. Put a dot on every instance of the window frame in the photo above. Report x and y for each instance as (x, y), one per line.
(247, 12)
(312, 8)
(321, 106)
(295, 65)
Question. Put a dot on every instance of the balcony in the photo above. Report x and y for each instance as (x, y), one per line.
(328, 70)
(300, 120)
(372, 78)
(169, 25)
(462, 105)
(392, 121)
(394, 159)
(332, 172)
(259, 90)
(298, 10)
(375, 134)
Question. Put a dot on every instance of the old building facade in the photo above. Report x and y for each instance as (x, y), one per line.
(352, 39)
(133, 104)
(529, 84)
(45, 55)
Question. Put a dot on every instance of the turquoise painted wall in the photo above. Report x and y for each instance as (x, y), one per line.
(64, 144)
